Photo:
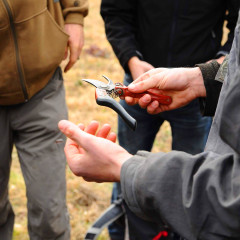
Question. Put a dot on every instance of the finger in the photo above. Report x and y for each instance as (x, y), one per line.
(74, 54)
(104, 131)
(152, 107)
(112, 137)
(151, 79)
(92, 127)
(161, 108)
(81, 126)
(149, 83)
(148, 74)
(131, 101)
(66, 53)
(141, 78)
(144, 101)
(73, 132)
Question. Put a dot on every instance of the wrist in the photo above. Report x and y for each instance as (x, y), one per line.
(220, 59)
(122, 158)
(197, 82)
(132, 62)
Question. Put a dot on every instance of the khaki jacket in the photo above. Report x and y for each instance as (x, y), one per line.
(32, 43)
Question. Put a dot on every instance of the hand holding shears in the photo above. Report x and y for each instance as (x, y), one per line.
(106, 92)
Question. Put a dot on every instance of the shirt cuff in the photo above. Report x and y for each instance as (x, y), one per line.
(74, 18)
(209, 70)
(209, 103)
(126, 57)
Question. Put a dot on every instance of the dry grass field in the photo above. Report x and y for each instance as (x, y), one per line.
(86, 201)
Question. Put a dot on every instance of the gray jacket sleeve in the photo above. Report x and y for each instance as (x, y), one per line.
(196, 196)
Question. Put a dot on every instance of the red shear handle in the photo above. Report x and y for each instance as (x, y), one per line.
(162, 99)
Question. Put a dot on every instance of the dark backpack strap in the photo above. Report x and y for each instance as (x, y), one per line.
(111, 214)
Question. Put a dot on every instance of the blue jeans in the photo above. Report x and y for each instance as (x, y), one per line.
(189, 133)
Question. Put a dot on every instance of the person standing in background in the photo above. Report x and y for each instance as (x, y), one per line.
(35, 36)
(150, 34)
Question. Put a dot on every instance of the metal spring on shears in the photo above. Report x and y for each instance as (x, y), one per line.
(113, 93)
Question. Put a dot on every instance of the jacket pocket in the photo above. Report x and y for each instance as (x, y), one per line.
(27, 9)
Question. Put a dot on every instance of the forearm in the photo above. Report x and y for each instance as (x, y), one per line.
(120, 27)
(181, 190)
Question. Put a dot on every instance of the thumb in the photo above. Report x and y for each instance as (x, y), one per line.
(148, 80)
(144, 85)
(73, 132)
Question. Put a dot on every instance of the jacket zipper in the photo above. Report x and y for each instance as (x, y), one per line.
(19, 67)
(173, 30)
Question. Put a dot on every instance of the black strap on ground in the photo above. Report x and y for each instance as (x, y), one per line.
(112, 213)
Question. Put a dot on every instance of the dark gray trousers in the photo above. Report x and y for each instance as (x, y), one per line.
(32, 128)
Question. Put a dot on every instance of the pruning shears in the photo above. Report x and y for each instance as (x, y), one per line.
(106, 92)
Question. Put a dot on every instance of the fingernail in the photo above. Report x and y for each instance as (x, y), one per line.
(68, 131)
(154, 104)
(64, 126)
(146, 99)
(131, 86)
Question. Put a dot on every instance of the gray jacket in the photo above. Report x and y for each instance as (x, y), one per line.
(197, 196)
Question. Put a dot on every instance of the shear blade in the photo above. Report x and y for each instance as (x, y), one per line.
(96, 83)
